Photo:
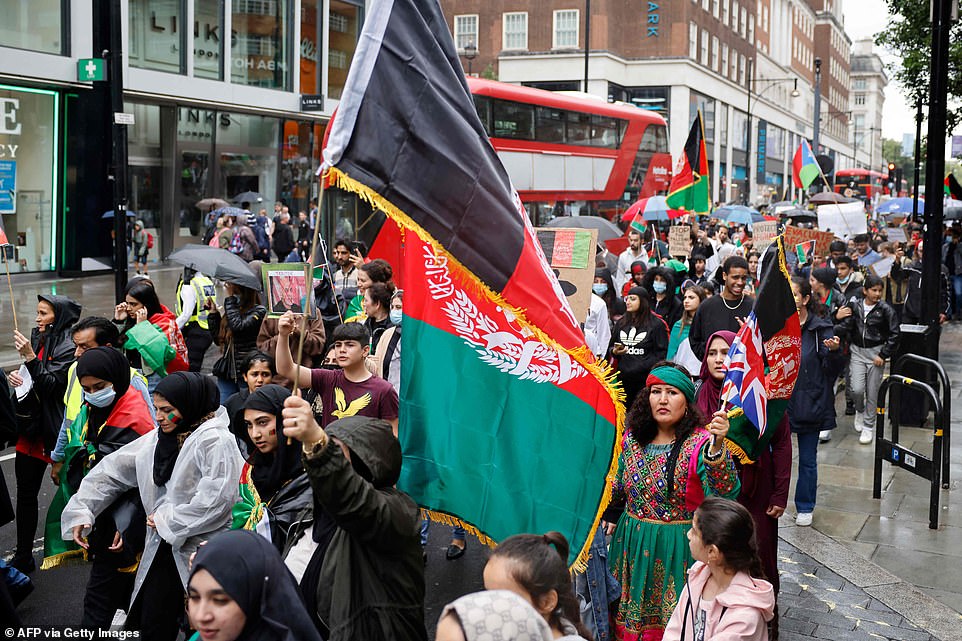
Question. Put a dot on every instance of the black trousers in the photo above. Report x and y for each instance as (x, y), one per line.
(29, 472)
(108, 590)
(198, 340)
(159, 607)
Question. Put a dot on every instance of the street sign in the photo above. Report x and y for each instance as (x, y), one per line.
(312, 102)
(91, 70)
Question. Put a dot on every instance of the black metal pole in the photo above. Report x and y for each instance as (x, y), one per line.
(918, 159)
(587, 39)
(748, 169)
(817, 125)
(115, 80)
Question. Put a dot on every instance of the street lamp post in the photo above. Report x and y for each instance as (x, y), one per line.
(470, 53)
(753, 83)
(816, 129)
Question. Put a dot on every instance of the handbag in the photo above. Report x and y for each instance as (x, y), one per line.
(226, 367)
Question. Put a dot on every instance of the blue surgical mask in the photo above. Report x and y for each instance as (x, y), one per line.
(396, 316)
(101, 398)
(599, 288)
(659, 287)
(842, 281)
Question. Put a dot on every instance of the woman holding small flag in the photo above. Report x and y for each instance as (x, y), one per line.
(671, 460)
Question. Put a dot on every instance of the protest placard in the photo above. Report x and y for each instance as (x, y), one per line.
(763, 234)
(571, 254)
(896, 234)
(679, 240)
(844, 220)
(882, 268)
(797, 235)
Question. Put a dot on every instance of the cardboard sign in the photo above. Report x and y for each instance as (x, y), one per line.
(679, 240)
(571, 254)
(882, 268)
(763, 234)
(896, 235)
(285, 285)
(845, 220)
(796, 235)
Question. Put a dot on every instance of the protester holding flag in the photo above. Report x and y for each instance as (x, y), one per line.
(113, 414)
(639, 340)
(670, 461)
(811, 408)
(764, 480)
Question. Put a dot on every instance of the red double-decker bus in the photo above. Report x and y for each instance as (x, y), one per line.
(860, 183)
(573, 154)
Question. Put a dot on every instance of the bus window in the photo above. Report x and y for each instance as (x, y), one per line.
(578, 129)
(655, 139)
(512, 120)
(550, 126)
(606, 132)
(483, 106)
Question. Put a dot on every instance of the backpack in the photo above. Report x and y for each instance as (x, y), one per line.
(150, 240)
(236, 244)
(260, 233)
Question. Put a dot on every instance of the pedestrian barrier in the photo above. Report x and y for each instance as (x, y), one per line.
(890, 450)
(946, 389)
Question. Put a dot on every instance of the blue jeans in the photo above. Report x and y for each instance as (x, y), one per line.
(597, 589)
(457, 532)
(807, 482)
(226, 388)
(957, 293)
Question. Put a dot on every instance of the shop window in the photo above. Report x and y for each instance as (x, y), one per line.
(247, 156)
(145, 164)
(345, 19)
(37, 25)
(156, 35)
(260, 55)
(209, 39)
(310, 50)
(28, 175)
(297, 166)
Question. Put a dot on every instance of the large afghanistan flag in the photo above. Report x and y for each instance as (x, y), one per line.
(690, 190)
(508, 424)
(764, 360)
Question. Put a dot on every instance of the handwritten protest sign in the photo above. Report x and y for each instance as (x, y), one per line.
(679, 240)
(882, 268)
(797, 235)
(571, 254)
(763, 234)
(896, 234)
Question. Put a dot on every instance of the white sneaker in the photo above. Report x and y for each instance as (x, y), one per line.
(825, 436)
(867, 436)
(804, 519)
(859, 421)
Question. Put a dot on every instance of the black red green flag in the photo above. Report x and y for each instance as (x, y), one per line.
(952, 187)
(690, 190)
(501, 400)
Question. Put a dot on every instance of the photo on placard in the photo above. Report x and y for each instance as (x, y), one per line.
(286, 289)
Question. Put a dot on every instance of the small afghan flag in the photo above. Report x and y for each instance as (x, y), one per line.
(501, 399)
(804, 166)
(690, 190)
(764, 359)
(638, 223)
(952, 187)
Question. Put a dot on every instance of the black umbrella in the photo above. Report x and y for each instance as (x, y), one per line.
(606, 229)
(804, 215)
(248, 197)
(830, 198)
(217, 263)
(110, 214)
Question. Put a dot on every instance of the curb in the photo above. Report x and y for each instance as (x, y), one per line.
(920, 609)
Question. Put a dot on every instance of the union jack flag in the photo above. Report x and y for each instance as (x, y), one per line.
(744, 384)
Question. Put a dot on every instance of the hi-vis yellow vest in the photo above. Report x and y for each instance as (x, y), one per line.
(203, 287)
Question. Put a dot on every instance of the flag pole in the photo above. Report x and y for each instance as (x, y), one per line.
(13, 306)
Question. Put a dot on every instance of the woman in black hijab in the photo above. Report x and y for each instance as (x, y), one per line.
(264, 602)
(273, 485)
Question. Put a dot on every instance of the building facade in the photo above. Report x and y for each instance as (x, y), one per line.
(869, 80)
(747, 64)
(227, 96)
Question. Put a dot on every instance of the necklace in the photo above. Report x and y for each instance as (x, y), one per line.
(740, 301)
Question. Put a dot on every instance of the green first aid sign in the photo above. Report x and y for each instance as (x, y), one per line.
(91, 70)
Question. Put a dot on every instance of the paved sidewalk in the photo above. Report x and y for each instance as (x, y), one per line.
(866, 569)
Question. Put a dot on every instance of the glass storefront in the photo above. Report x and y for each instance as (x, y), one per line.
(260, 43)
(145, 164)
(29, 198)
(346, 20)
(209, 39)
(312, 27)
(155, 40)
(36, 25)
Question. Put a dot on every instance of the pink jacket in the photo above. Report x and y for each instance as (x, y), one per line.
(740, 613)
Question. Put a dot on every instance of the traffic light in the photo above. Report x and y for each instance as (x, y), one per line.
(890, 180)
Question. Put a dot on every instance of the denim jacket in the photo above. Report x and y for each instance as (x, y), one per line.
(596, 589)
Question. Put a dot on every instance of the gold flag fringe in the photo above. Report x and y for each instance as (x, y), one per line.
(64, 559)
(601, 370)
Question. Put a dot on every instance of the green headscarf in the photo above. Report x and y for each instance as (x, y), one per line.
(666, 375)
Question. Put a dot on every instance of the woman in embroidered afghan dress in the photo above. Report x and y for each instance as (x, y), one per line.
(672, 458)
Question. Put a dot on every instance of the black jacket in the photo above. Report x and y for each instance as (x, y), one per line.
(283, 240)
(912, 310)
(645, 346)
(41, 412)
(880, 327)
(371, 583)
(812, 405)
(244, 328)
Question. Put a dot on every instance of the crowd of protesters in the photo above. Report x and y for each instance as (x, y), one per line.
(264, 492)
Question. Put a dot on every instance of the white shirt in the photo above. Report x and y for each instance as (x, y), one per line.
(625, 259)
(188, 301)
(597, 327)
